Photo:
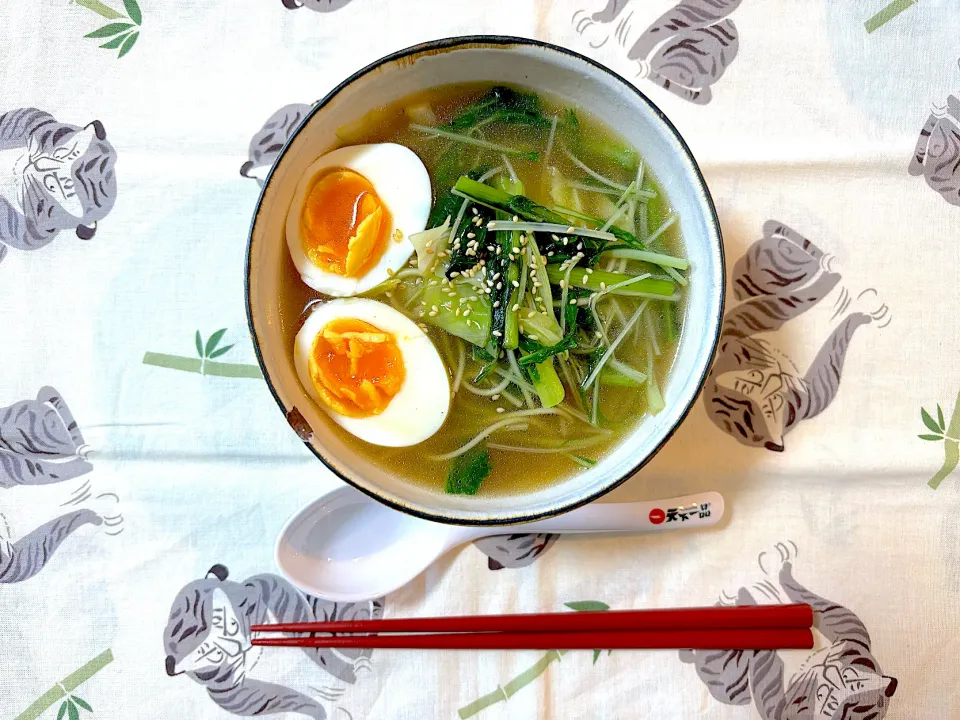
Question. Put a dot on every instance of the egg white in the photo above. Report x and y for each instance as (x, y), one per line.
(403, 185)
(419, 409)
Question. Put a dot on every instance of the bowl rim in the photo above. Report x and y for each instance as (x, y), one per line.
(449, 43)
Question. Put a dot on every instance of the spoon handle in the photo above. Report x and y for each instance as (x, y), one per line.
(690, 511)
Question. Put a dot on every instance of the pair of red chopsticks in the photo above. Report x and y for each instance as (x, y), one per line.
(755, 627)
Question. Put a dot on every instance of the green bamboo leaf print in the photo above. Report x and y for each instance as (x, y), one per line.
(133, 10)
(951, 443)
(587, 605)
(929, 421)
(115, 43)
(82, 703)
(72, 711)
(221, 351)
(109, 30)
(104, 11)
(67, 685)
(596, 656)
(128, 44)
(204, 363)
(940, 418)
(214, 341)
(888, 13)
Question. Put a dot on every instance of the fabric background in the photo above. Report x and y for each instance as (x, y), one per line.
(812, 124)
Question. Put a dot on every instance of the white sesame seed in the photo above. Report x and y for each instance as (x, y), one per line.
(390, 272)
(515, 284)
(434, 307)
(603, 286)
(563, 284)
(495, 397)
(571, 229)
(500, 410)
(497, 333)
(496, 303)
(531, 313)
(474, 210)
(389, 294)
(498, 249)
(533, 337)
(585, 278)
(516, 250)
(515, 307)
(573, 301)
(466, 312)
(516, 219)
(499, 286)
(549, 254)
(471, 235)
(566, 240)
(589, 271)
(434, 282)
(433, 313)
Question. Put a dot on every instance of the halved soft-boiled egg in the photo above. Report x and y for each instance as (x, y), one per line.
(373, 370)
(352, 213)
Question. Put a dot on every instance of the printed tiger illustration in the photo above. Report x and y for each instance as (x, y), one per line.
(754, 392)
(514, 551)
(937, 157)
(322, 6)
(53, 177)
(840, 681)
(266, 144)
(685, 51)
(208, 638)
(41, 445)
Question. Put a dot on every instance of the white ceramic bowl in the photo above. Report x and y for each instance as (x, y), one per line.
(569, 77)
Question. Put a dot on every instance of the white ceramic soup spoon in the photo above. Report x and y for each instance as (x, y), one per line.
(347, 547)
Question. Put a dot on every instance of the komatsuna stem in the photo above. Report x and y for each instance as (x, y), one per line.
(887, 14)
(70, 683)
(951, 448)
(104, 11)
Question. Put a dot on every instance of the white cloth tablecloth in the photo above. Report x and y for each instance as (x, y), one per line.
(830, 139)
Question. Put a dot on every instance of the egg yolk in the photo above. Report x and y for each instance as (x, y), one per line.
(356, 367)
(344, 224)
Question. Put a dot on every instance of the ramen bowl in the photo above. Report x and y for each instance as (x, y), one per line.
(562, 74)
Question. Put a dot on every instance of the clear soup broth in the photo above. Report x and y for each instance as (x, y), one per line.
(619, 306)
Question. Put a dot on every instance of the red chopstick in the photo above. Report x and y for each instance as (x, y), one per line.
(705, 639)
(715, 618)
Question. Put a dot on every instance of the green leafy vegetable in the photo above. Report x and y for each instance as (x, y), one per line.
(641, 288)
(500, 104)
(547, 383)
(462, 315)
(468, 471)
(539, 353)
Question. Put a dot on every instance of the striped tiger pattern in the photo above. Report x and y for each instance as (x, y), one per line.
(937, 156)
(266, 144)
(754, 391)
(685, 51)
(207, 638)
(53, 177)
(841, 681)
